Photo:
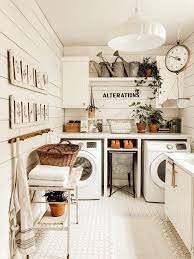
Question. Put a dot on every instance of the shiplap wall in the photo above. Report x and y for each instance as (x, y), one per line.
(25, 30)
(115, 107)
(188, 113)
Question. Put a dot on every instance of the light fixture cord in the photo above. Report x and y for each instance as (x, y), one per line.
(178, 34)
(175, 82)
(136, 9)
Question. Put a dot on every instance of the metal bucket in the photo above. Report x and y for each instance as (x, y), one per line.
(118, 68)
(133, 69)
(104, 70)
(94, 69)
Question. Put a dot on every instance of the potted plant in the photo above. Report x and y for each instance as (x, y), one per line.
(57, 201)
(155, 118)
(140, 113)
(91, 107)
(150, 69)
(145, 68)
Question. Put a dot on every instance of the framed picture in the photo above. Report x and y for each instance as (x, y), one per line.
(31, 112)
(25, 113)
(38, 112)
(38, 79)
(31, 77)
(42, 108)
(17, 113)
(17, 69)
(45, 81)
(25, 75)
(46, 112)
(24, 68)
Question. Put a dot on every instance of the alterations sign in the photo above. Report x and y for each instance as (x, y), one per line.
(122, 95)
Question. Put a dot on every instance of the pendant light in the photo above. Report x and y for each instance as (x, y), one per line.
(137, 34)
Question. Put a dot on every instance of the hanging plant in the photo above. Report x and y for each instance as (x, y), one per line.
(91, 107)
(150, 69)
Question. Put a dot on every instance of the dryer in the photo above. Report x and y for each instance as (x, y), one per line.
(90, 158)
(154, 166)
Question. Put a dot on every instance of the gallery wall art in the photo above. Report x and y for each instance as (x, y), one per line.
(25, 75)
(27, 112)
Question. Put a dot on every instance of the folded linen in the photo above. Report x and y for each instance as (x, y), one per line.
(49, 173)
(46, 183)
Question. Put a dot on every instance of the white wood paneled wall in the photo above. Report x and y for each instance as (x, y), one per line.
(188, 113)
(25, 30)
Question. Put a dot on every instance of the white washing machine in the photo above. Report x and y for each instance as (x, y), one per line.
(154, 168)
(90, 159)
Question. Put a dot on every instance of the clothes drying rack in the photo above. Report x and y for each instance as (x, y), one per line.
(71, 189)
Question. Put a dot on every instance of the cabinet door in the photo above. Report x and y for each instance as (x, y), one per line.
(169, 88)
(183, 182)
(75, 82)
(170, 194)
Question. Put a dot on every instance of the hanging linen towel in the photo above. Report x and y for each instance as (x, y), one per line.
(21, 219)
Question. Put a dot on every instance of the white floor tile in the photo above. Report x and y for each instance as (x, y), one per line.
(119, 227)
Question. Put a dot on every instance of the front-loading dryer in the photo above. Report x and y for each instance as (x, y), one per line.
(90, 158)
(154, 166)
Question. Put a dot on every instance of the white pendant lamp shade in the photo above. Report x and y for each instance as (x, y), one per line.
(138, 34)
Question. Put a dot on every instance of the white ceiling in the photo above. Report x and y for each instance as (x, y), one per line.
(88, 22)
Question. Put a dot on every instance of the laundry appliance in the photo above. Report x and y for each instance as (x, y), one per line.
(154, 166)
(90, 158)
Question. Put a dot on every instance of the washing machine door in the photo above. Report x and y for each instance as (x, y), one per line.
(87, 161)
(158, 170)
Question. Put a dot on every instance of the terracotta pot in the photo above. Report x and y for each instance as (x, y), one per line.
(91, 113)
(154, 128)
(141, 126)
(57, 209)
(148, 72)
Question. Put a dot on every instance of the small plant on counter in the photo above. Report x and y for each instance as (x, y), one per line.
(150, 69)
(57, 201)
(140, 113)
(155, 118)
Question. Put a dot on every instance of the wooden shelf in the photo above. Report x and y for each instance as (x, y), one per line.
(123, 149)
(118, 79)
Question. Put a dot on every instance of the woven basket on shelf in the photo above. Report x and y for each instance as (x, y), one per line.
(58, 154)
(119, 126)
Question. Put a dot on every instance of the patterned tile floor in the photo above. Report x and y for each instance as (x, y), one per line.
(119, 227)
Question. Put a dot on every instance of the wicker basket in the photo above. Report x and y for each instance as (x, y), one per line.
(120, 126)
(58, 154)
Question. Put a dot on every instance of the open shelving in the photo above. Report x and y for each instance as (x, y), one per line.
(119, 79)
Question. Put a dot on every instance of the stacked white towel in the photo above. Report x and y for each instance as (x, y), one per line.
(44, 175)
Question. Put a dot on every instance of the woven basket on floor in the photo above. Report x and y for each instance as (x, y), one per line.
(58, 154)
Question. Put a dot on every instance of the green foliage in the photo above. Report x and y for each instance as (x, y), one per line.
(156, 84)
(56, 196)
(146, 113)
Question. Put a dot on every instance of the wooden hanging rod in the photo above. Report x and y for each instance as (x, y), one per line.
(29, 135)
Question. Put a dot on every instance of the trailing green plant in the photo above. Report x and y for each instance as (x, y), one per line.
(56, 196)
(156, 83)
(144, 66)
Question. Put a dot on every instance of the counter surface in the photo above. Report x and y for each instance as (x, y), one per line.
(183, 160)
(133, 135)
